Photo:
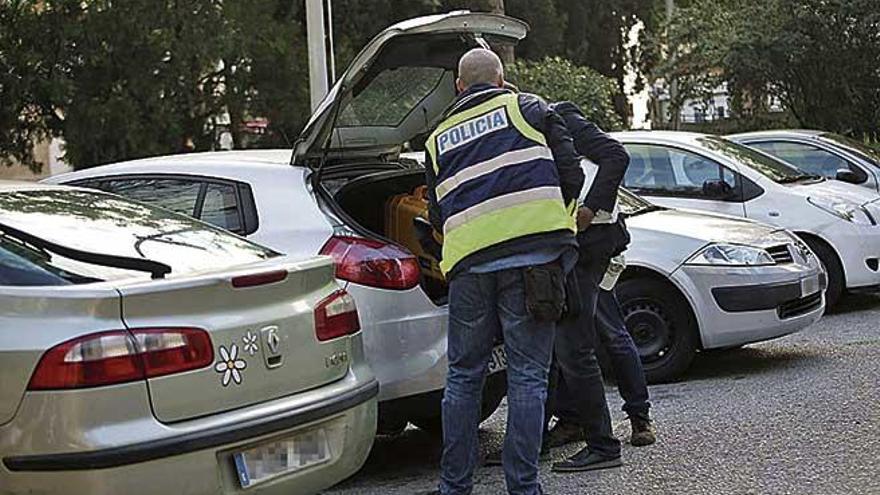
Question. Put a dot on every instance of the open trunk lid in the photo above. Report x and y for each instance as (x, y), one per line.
(263, 335)
(400, 83)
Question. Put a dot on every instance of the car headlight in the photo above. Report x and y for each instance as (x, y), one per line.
(842, 208)
(731, 255)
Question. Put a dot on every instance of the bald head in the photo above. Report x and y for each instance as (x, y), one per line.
(479, 66)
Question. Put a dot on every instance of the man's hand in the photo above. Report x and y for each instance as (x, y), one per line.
(584, 218)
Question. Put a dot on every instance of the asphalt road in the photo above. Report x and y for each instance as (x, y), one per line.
(797, 415)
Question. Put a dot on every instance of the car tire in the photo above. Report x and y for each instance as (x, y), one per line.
(834, 270)
(494, 390)
(662, 325)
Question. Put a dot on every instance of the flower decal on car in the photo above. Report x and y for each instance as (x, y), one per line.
(230, 365)
(250, 343)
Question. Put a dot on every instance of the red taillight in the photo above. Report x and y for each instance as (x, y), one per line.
(121, 356)
(373, 263)
(336, 316)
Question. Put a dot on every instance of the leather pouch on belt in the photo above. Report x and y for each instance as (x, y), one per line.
(545, 291)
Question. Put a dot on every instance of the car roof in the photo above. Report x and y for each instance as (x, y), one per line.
(777, 133)
(19, 185)
(217, 163)
(659, 136)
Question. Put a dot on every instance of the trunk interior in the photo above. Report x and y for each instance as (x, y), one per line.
(384, 203)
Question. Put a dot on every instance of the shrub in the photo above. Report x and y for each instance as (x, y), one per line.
(557, 79)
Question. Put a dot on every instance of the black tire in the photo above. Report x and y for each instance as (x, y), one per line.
(494, 390)
(833, 269)
(662, 325)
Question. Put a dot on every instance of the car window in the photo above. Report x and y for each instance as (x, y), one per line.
(858, 148)
(767, 165)
(100, 223)
(656, 169)
(220, 207)
(177, 195)
(389, 97)
(809, 158)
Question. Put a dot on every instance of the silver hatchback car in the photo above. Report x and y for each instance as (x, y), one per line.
(142, 351)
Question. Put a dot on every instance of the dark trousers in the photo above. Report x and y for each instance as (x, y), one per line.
(622, 355)
(579, 392)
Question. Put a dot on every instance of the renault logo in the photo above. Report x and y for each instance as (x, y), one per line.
(273, 346)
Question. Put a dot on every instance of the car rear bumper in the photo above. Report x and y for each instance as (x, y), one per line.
(736, 306)
(404, 337)
(200, 460)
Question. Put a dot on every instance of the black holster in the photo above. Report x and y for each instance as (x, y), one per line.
(545, 291)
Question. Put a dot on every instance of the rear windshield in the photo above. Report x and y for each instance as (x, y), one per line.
(100, 223)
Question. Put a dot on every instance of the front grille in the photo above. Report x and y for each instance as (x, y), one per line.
(800, 306)
(780, 254)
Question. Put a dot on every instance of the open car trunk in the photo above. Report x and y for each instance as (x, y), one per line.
(385, 203)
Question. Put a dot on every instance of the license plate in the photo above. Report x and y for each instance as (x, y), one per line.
(280, 457)
(809, 285)
(498, 361)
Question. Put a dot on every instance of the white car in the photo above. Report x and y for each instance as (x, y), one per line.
(838, 221)
(820, 153)
(695, 281)
(398, 85)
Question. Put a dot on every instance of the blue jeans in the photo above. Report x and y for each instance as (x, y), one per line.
(623, 354)
(482, 305)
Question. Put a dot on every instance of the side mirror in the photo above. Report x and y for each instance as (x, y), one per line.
(846, 175)
(717, 189)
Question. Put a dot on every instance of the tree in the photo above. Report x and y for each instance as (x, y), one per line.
(819, 58)
(557, 79)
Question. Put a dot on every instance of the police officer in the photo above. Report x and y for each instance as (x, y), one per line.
(502, 175)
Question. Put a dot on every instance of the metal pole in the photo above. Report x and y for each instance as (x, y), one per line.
(318, 85)
(330, 50)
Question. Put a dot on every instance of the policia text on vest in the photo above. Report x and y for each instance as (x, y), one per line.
(504, 188)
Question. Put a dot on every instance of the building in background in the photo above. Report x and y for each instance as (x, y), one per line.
(49, 154)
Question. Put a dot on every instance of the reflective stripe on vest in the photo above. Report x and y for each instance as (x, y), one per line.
(496, 179)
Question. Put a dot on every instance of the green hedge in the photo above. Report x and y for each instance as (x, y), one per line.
(557, 79)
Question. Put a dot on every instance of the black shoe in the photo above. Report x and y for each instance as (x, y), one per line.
(586, 461)
(564, 433)
(494, 458)
(642, 432)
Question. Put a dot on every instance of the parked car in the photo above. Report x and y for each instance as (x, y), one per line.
(328, 201)
(143, 352)
(819, 153)
(838, 221)
(667, 295)
(701, 281)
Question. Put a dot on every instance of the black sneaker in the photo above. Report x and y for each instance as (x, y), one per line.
(642, 432)
(586, 461)
(564, 433)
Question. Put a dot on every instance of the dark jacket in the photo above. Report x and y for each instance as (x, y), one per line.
(612, 159)
(571, 177)
(601, 149)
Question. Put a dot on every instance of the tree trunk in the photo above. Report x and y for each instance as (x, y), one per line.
(505, 51)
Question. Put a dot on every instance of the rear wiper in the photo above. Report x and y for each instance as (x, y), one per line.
(154, 268)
